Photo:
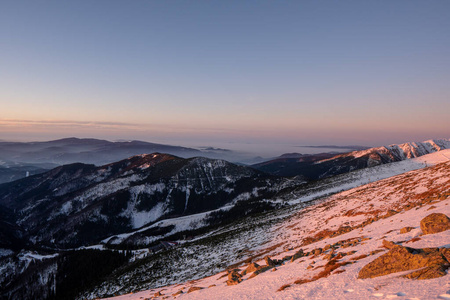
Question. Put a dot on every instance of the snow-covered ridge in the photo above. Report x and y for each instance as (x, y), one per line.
(133, 193)
(331, 186)
(406, 150)
(364, 176)
(392, 204)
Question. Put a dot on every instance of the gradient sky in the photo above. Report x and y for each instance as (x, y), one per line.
(217, 72)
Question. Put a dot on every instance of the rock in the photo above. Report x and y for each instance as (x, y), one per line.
(297, 255)
(251, 268)
(390, 213)
(339, 255)
(158, 294)
(445, 252)
(260, 270)
(194, 288)
(376, 251)
(233, 282)
(342, 230)
(269, 261)
(177, 293)
(427, 273)
(401, 258)
(434, 223)
(317, 251)
(328, 256)
(388, 244)
(406, 230)
(234, 277)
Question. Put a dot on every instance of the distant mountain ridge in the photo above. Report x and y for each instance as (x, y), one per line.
(313, 167)
(17, 159)
(86, 150)
(397, 152)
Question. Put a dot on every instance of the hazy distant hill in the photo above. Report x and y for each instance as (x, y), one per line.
(93, 151)
(18, 159)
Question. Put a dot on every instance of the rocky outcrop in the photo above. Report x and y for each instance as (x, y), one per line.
(234, 277)
(431, 261)
(250, 269)
(297, 255)
(269, 261)
(261, 269)
(435, 223)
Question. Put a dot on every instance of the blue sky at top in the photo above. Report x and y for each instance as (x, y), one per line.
(367, 72)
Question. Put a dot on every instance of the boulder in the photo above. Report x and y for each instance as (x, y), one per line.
(435, 223)
(400, 259)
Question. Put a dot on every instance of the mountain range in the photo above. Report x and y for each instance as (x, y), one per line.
(316, 166)
(182, 218)
(371, 242)
(82, 204)
(21, 159)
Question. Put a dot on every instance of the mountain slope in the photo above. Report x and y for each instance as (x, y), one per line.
(78, 204)
(337, 237)
(315, 167)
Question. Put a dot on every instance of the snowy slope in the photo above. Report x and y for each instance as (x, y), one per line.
(368, 213)
(304, 193)
(404, 151)
(84, 204)
(314, 167)
(356, 178)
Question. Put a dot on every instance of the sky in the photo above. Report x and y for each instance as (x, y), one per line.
(215, 72)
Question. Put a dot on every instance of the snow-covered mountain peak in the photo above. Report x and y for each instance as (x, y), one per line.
(403, 151)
